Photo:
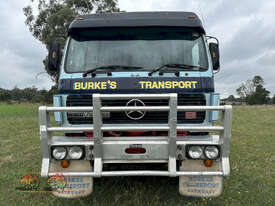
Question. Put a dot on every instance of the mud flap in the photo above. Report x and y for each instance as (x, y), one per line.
(71, 187)
(200, 186)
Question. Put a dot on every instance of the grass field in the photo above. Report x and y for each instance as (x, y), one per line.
(252, 179)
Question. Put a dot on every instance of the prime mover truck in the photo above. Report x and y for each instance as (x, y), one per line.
(136, 89)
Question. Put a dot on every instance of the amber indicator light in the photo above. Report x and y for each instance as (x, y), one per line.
(208, 163)
(65, 163)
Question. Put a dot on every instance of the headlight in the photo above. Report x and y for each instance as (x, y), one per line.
(211, 152)
(59, 153)
(76, 152)
(195, 152)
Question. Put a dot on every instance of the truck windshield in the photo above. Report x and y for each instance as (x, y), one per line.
(146, 52)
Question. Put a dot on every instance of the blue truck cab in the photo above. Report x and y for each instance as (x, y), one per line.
(138, 87)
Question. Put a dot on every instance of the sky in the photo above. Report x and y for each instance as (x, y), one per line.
(245, 29)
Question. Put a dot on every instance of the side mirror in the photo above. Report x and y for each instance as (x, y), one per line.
(54, 56)
(215, 55)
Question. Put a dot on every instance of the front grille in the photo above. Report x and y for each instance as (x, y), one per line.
(121, 117)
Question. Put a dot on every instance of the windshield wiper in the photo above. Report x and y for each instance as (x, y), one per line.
(92, 71)
(179, 66)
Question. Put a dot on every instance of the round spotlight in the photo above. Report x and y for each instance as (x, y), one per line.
(59, 153)
(195, 152)
(211, 152)
(75, 152)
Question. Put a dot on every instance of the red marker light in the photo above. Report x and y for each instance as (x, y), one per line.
(190, 115)
(135, 150)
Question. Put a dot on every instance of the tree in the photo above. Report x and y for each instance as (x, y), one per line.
(273, 99)
(5, 95)
(257, 81)
(54, 17)
(16, 94)
(231, 98)
(29, 93)
(260, 96)
(253, 91)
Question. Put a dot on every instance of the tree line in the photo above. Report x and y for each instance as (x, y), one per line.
(252, 92)
(30, 95)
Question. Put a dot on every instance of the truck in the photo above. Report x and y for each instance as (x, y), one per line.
(136, 98)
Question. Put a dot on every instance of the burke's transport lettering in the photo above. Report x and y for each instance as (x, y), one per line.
(103, 85)
(168, 84)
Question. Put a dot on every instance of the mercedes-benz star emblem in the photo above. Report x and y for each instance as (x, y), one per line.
(135, 115)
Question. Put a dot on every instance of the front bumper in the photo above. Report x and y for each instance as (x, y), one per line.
(159, 149)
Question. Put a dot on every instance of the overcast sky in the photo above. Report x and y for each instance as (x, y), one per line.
(246, 30)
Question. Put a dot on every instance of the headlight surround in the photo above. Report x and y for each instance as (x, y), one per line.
(59, 153)
(195, 152)
(75, 152)
(211, 152)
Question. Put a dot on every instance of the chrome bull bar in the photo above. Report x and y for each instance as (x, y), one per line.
(169, 143)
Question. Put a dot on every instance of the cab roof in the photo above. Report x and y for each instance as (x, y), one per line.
(137, 19)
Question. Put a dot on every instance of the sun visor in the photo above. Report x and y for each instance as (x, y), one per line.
(100, 24)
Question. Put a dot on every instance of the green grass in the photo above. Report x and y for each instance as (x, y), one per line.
(252, 179)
